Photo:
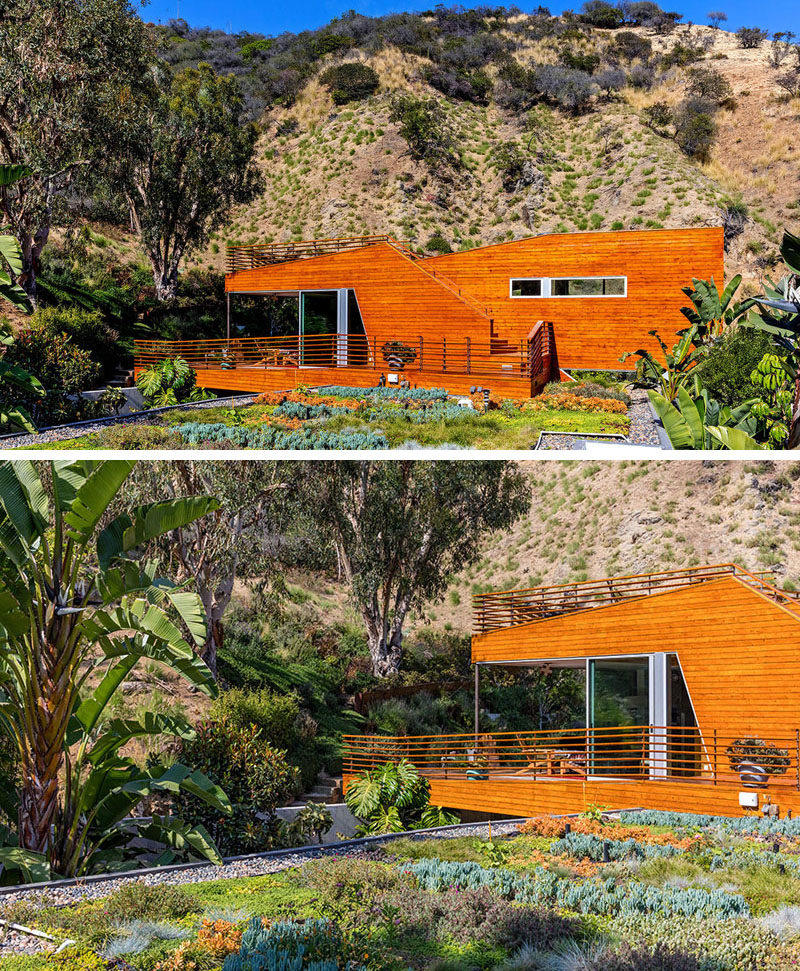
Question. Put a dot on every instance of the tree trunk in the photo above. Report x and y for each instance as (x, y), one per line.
(385, 646)
(166, 284)
(213, 643)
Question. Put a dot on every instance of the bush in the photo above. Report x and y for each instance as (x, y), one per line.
(682, 54)
(657, 116)
(393, 798)
(473, 86)
(425, 128)
(695, 128)
(169, 382)
(773, 759)
(579, 60)
(350, 82)
(586, 389)
(275, 715)
(611, 79)
(63, 369)
(627, 46)
(438, 244)
(219, 434)
(751, 37)
(726, 370)
(256, 778)
(598, 13)
(137, 436)
(136, 900)
(88, 330)
(571, 90)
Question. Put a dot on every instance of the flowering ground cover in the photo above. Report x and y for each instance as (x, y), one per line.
(371, 418)
(645, 892)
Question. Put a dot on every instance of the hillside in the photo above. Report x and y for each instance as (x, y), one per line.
(346, 170)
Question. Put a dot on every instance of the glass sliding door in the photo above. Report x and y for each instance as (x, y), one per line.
(319, 324)
(683, 748)
(618, 703)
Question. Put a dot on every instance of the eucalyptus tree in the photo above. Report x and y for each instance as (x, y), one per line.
(400, 529)
(78, 611)
(68, 72)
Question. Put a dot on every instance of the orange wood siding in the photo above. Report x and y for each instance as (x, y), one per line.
(592, 332)
(528, 797)
(397, 299)
(739, 651)
(257, 380)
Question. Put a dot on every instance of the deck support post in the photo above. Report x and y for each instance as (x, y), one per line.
(477, 698)
(228, 313)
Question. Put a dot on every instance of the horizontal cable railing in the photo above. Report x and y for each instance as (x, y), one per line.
(624, 752)
(241, 256)
(407, 355)
(507, 608)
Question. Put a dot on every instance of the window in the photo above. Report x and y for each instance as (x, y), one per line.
(606, 286)
(592, 286)
(526, 288)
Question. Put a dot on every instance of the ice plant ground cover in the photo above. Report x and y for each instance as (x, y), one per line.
(643, 892)
(372, 418)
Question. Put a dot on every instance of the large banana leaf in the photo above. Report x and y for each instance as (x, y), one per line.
(179, 835)
(149, 522)
(31, 867)
(675, 425)
(140, 645)
(91, 709)
(94, 496)
(790, 251)
(16, 483)
(734, 438)
(119, 731)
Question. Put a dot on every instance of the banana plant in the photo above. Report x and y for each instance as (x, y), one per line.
(14, 416)
(779, 316)
(10, 251)
(667, 377)
(699, 422)
(74, 602)
(712, 312)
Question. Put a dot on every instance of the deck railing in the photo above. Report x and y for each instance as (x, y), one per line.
(621, 752)
(241, 256)
(507, 608)
(406, 356)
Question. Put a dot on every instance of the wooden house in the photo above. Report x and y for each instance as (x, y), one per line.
(508, 317)
(691, 700)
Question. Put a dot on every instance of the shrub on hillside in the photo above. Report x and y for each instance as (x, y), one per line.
(709, 84)
(751, 37)
(682, 54)
(88, 330)
(657, 116)
(350, 82)
(695, 128)
(438, 244)
(628, 46)
(425, 128)
(257, 779)
(579, 60)
(473, 86)
(275, 715)
(726, 371)
(598, 13)
(569, 89)
(63, 368)
(611, 79)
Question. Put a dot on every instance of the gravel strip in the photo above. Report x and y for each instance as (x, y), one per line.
(236, 869)
(150, 417)
(642, 429)
(15, 942)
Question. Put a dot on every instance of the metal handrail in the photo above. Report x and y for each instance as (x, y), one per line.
(249, 256)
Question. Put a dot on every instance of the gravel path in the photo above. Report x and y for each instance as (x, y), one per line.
(15, 942)
(144, 418)
(642, 430)
(254, 866)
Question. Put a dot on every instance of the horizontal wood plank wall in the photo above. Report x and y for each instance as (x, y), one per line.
(528, 798)
(739, 651)
(592, 332)
(258, 380)
(396, 298)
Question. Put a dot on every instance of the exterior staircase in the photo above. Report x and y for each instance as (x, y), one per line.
(326, 789)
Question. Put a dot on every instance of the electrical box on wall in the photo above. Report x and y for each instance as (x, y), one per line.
(391, 379)
(748, 800)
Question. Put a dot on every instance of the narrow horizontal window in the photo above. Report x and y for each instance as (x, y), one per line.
(606, 286)
(526, 288)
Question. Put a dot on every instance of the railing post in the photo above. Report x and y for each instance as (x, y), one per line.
(444, 353)
(421, 348)
(797, 755)
(715, 756)
(468, 355)
(374, 351)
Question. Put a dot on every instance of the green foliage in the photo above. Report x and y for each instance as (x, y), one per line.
(257, 778)
(751, 37)
(275, 715)
(598, 13)
(712, 312)
(73, 810)
(700, 422)
(169, 382)
(196, 433)
(136, 900)
(351, 81)
(425, 128)
(15, 381)
(10, 251)
(726, 371)
(773, 759)
(315, 945)
(775, 398)
(62, 369)
(313, 820)
(390, 799)
(695, 129)
(189, 157)
(88, 330)
(438, 244)
(133, 437)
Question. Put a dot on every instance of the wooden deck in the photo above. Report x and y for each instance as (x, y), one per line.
(525, 773)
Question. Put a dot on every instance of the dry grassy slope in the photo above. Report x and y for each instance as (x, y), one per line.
(592, 520)
(346, 171)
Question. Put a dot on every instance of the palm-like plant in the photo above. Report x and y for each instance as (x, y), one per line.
(712, 312)
(73, 602)
(11, 415)
(10, 252)
(699, 422)
(674, 372)
(169, 382)
(393, 798)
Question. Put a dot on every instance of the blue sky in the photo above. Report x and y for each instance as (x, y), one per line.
(272, 18)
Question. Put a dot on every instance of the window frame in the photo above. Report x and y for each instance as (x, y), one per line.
(547, 288)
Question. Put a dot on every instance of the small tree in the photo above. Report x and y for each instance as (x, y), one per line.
(350, 82)
(190, 158)
(751, 37)
(400, 528)
(717, 17)
(425, 128)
